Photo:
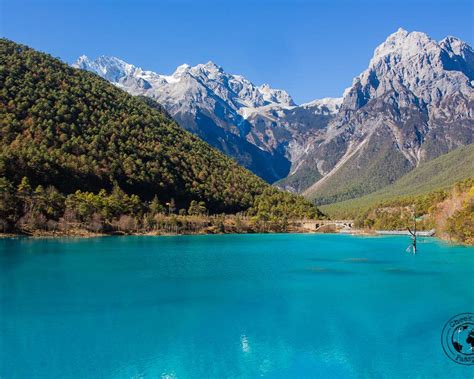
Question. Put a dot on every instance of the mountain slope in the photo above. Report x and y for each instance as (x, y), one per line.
(206, 101)
(71, 129)
(413, 103)
(439, 173)
(261, 127)
(450, 212)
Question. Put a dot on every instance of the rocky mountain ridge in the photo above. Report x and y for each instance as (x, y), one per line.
(414, 102)
(257, 125)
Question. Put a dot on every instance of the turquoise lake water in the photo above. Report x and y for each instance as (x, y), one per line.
(278, 306)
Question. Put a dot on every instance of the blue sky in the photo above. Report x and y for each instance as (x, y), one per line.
(312, 49)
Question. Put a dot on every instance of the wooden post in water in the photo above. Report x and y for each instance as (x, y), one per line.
(413, 233)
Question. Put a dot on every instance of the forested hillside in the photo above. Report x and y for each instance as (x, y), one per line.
(437, 174)
(72, 142)
(450, 212)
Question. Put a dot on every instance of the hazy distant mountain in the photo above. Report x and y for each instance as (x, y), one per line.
(413, 103)
(257, 125)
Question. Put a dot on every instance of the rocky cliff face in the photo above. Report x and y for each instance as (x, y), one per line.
(257, 125)
(414, 102)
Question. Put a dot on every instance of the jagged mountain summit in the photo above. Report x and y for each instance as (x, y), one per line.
(413, 103)
(257, 125)
(75, 145)
(235, 89)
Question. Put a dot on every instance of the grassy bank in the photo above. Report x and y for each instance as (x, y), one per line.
(450, 212)
(436, 175)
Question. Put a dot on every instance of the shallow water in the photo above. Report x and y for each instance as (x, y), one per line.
(230, 306)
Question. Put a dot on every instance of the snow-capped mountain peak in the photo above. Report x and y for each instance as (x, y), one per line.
(181, 69)
(211, 66)
(234, 89)
(110, 68)
(453, 44)
(83, 60)
(413, 61)
(210, 102)
(403, 44)
(413, 103)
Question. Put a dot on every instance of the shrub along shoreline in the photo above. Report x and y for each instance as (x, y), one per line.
(47, 212)
(170, 225)
(449, 212)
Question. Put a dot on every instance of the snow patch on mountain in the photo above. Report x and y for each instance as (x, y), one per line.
(234, 89)
(211, 103)
(414, 102)
(327, 104)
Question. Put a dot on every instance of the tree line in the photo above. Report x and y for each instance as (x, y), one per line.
(28, 209)
(75, 147)
(449, 211)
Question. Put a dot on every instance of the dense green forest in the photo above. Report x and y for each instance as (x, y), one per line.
(76, 148)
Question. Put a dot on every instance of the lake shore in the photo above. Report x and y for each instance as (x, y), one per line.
(292, 227)
(82, 233)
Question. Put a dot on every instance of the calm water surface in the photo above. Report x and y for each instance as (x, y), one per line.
(328, 306)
